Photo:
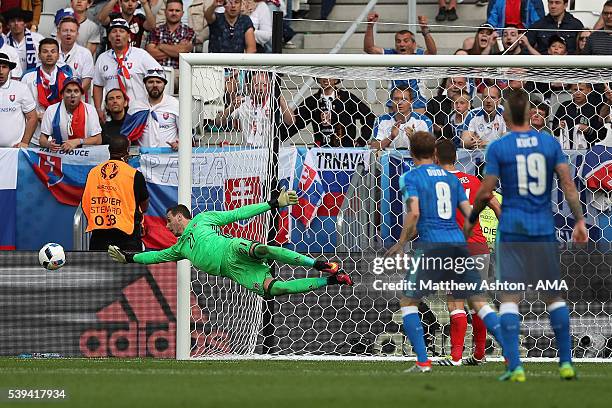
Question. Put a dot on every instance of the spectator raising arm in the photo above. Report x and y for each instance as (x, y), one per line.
(368, 40)
(209, 14)
(104, 15)
(149, 23)
(430, 44)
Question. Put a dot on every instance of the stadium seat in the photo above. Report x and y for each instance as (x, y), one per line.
(51, 6)
(588, 5)
(208, 88)
(46, 25)
(588, 18)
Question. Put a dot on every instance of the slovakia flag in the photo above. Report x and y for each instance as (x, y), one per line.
(65, 173)
(597, 168)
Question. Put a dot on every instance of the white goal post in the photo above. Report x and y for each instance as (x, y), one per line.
(567, 69)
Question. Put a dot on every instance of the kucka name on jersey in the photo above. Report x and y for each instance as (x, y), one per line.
(527, 142)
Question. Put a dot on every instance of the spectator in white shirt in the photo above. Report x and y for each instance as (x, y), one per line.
(486, 124)
(22, 39)
(46, 80)
(78, 58)
(89, 32)
(17, 108)
(158, 113)
(254, 112)
(394, 130)
(261, 16)
(122, 67)
(71, 123)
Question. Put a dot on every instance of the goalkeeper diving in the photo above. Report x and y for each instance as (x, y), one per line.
(201, 241)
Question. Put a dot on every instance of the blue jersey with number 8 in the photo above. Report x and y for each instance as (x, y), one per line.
(439, 193)
(525, 163)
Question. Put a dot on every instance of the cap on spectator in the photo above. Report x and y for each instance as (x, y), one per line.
(73, 80)
(25, 15)
(4, 59)
(556, 38)
(485, 26)
(62, 13)
(155, 73)
(119, 23)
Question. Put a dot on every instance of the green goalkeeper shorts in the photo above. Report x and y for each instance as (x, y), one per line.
(244, 269)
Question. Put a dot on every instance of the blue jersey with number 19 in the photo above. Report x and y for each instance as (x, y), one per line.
(525, 164)
(439, 193)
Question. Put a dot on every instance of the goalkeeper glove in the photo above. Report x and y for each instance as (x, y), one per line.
(118, 255)
(285, 198)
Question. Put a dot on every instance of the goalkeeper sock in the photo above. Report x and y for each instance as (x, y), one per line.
(286, 256)
(559, 320)
(414, 332)
(479, 331)
(510, 328)
(458, 327)
(296, 286)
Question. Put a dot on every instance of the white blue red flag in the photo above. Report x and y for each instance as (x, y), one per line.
(325, 179)
(65, 173)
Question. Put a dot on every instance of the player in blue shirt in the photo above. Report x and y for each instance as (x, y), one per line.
(432, 196)
(525, 161)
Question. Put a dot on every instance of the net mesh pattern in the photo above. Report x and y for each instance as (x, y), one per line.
(359, 213)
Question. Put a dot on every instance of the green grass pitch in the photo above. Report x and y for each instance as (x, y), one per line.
(291, 384)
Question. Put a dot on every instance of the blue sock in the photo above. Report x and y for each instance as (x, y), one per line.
(491, 320)
(414, 332)
(510, 328)
(559, 320)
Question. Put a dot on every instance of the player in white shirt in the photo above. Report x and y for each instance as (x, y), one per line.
(486, 124)
(45, 81)
(122, 67)
(71, 123)
(394, 130)
(17, 108)
(23, 40)
(78, 58)
(158, 113)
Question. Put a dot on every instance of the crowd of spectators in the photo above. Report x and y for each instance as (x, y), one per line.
(117, 56)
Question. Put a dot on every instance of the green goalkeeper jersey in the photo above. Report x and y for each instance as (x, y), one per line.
(202, 241)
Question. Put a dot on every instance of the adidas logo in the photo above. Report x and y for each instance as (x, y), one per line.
(141, 322)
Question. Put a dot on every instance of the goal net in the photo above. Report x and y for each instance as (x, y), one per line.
(323, 125)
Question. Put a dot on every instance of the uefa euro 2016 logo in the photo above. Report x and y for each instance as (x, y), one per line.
(109, 171)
